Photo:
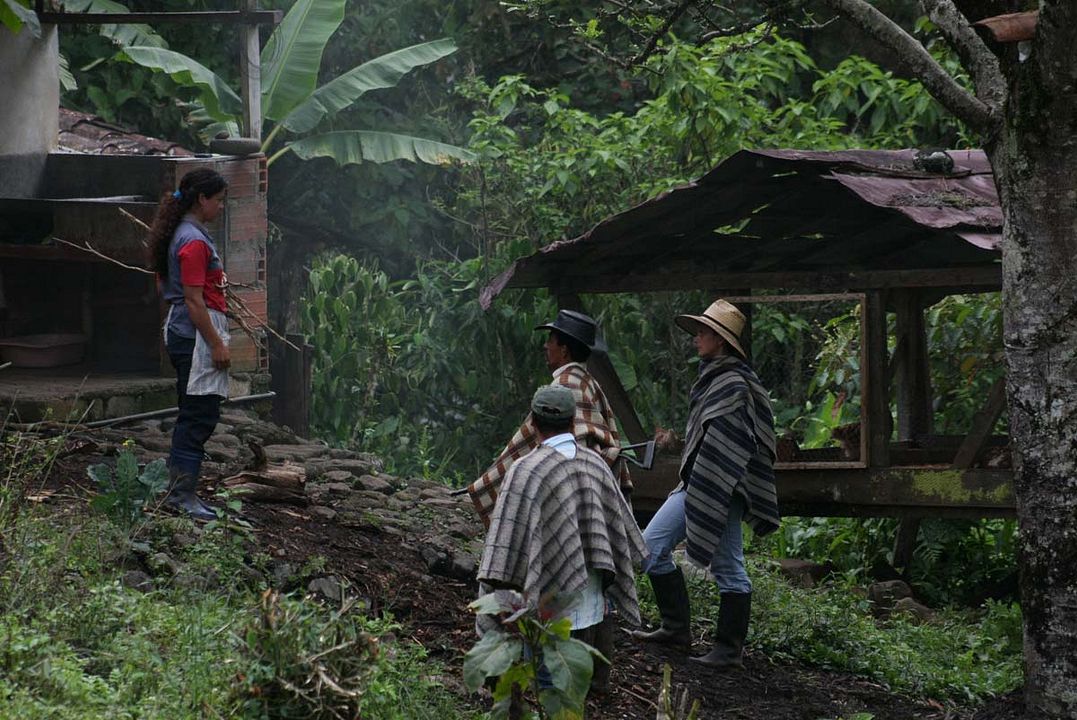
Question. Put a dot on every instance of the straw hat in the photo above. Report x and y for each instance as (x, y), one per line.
(723, 318)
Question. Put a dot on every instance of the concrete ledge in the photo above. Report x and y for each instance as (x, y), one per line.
(63, 394)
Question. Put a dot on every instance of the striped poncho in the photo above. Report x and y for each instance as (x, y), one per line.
(555, 519)
(729, 448)
(594, 427)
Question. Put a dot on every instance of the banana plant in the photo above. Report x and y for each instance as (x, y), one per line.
(16, 13)
(293, 101)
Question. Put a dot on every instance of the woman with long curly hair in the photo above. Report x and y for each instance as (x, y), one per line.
(191, 279)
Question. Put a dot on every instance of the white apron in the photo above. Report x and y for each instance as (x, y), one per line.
(206, 379)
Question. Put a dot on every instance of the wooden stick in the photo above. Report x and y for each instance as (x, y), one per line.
(92, 251)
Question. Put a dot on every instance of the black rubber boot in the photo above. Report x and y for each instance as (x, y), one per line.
(181, 496)
(732, 628)
(671, 594)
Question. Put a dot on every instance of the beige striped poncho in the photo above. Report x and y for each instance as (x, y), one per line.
(555, 519)
(729, 448)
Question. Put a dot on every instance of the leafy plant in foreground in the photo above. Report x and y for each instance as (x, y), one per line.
(127, 490)
(534, 657)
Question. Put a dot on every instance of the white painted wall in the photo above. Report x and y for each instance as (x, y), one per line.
(29, 108)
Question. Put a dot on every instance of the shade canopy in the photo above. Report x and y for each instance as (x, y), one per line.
(790, 219)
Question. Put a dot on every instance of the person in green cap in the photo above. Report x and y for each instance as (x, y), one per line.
(562, 525)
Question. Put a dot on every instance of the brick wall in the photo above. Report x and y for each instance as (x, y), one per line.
(240, 234)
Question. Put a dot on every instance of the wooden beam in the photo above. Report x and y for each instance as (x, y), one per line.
(600, 366)
(220, 17)
(982, 423)
(841, 491)
(290, 378)
(981, 278)
(250, 69)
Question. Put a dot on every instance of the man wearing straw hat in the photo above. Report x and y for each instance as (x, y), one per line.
(572, 338)
(726, 476)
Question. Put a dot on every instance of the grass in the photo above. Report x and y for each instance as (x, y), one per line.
(76, 643)
(962, 656)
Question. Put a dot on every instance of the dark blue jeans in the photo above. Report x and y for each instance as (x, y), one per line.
(198, 414)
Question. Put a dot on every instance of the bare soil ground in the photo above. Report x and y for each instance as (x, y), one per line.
(389, 571)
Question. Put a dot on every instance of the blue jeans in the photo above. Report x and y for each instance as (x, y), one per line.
(668, 528)
(198, 414)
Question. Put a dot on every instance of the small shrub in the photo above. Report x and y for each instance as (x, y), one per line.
(127, 490)
(534, 635)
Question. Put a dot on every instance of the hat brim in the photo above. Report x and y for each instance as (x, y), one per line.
(599, 345)
(691, 324)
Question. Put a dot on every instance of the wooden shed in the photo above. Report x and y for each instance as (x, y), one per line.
(895, 230)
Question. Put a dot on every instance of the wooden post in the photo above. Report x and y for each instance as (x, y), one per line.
(291, 375)
(250, 68)
(914, 399)
(600, 366)
(875, 394)
(913, 374)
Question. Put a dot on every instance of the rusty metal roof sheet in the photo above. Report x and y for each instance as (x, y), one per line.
(792, 211)
(84, 133)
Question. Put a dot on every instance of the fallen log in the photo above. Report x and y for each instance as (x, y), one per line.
(274, 483)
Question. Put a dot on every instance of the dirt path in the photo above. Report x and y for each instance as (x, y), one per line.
(409, 549)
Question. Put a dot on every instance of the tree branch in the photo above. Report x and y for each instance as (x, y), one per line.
(938, 82)
(673, 17)
(981, 63)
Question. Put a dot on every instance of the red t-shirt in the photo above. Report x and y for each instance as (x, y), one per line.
(196, 263)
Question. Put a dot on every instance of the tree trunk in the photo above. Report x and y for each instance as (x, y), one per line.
(1035, 165)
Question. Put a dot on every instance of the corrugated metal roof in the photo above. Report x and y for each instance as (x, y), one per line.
(84, 133)
(793, 211)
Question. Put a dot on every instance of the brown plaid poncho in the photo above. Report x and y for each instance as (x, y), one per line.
(557, 518)
(593, 428)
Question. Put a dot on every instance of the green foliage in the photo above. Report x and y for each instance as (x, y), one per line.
(392, 376)
(25, 462)
(532, 636)
(16, 13)
(962, 656)
(74, 642)
(964, 334)
(126, 490)
(291, 62)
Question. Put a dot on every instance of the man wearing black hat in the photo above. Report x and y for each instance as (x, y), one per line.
(572, 338)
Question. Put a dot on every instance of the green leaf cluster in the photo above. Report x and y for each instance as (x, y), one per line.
(291, 97)
(126, 490)
(531, 641)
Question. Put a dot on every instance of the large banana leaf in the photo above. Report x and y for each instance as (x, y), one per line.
(123, 35)
(354, 146)
(384, 71)
(220, 100)
(293, 54)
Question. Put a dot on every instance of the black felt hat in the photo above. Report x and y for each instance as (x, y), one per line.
(577, 326)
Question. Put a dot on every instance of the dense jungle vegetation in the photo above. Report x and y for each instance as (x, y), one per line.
(409, 367)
